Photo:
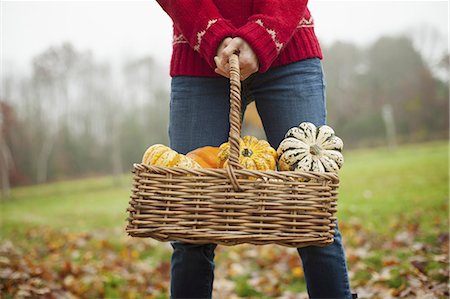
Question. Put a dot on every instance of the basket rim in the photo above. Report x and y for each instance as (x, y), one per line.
(320, 176)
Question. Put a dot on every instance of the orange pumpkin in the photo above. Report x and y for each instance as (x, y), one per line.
(206, 156)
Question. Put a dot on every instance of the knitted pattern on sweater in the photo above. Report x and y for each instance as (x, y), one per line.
(279, 31)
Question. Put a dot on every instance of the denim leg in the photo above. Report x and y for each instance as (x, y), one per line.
(199, 116)
(286, 96)
(199, 112)
(192, 270)
(325, 270)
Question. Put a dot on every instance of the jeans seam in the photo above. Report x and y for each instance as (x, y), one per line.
(322, 81)
(208, 249)
(344, 266)
(347, 280)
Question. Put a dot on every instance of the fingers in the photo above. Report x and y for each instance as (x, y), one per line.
(223, 44)
(226, 41)
(222, 73)
(223, 66)
(248, 61)
(231, 48)
(221, 69)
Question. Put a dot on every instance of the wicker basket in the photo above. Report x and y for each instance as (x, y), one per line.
(233, 205)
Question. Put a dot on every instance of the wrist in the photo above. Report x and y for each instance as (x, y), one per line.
(262, 43)
(211, 39)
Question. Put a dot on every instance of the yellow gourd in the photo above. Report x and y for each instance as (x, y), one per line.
(254, 154)
(161, 155)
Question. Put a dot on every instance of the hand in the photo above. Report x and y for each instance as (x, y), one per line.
(222, 70)
(248, 61)
(226, 41)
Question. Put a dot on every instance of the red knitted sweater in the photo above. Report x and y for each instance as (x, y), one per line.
(279, 31)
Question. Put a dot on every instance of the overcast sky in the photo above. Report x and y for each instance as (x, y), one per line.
(116, 29)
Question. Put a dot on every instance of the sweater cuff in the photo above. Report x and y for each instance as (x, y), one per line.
(263, 43)
(211, 39)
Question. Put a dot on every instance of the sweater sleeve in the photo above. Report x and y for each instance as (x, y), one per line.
(200, 23)
(271, 27)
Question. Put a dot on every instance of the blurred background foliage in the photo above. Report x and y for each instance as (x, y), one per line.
(74, 115)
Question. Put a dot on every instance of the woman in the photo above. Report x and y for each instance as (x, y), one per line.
(280, 63)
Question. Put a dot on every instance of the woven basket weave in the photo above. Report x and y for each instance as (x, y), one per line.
(233, 205)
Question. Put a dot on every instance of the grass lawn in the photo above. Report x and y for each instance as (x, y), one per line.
(390, 204)
(81, 205)
(379, 186)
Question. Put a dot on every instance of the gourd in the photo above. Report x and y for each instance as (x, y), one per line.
(161, 155)
(254, 154)
(206, 156)
(308, 148)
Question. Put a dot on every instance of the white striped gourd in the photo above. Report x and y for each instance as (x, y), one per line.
(310, 148)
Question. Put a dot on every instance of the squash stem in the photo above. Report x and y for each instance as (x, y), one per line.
(247, 152)
(314, 149)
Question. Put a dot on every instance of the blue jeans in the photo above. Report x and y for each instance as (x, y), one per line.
(284, 96)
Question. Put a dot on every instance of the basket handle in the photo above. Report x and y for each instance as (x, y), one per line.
(235, 121)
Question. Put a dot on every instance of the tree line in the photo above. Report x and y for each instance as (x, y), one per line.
(74, 115)
(387, 93)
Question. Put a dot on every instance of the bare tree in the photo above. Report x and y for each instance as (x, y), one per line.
(433, 47)
(55, 89)
(6, 161)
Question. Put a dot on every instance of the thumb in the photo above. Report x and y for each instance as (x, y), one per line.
(231, 48)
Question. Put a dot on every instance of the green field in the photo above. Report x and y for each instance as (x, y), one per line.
(377, 186)
(388, 202)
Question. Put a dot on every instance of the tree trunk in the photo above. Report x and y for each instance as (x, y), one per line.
(43, 159)
(388, 118)
(5, 162)
(115, 153)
